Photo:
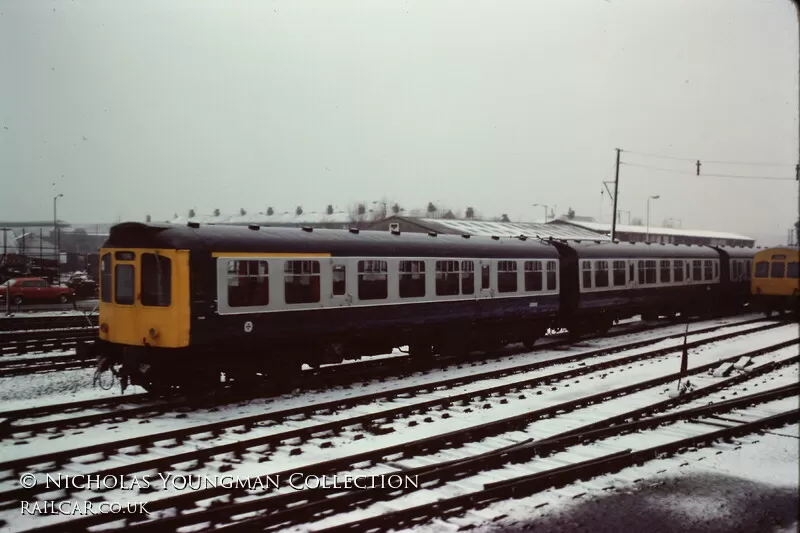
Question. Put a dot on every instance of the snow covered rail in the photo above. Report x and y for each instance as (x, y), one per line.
(16, 343)
(25, 323)
(16, 367)
(341, 375)
(287, 508)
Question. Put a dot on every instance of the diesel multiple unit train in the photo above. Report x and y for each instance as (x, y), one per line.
(181, 304)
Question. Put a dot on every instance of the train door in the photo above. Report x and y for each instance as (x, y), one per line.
(487, 287)
(632, 282)
(341, 284)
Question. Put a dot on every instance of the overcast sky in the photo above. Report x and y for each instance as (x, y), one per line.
(156, 106)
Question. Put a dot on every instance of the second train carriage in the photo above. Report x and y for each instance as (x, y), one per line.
(179, 304)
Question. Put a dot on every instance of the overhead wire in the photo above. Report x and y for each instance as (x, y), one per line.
(706, 175)
(715, 162)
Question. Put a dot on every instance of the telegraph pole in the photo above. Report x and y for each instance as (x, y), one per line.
(616, 196)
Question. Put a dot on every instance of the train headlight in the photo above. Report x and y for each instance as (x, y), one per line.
(104, 328)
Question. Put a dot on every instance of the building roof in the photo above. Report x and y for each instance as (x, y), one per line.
(504, 229)
(606, 228)
(288, 217)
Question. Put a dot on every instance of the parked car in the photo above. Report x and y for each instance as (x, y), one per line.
(22, 290)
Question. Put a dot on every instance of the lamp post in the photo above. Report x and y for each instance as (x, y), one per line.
(57, 235)
(545, 210)
(647, 235)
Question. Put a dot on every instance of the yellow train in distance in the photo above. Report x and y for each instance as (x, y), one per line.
(775, 284)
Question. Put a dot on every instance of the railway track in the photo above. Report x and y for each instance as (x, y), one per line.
(23, 421)
(247, 510)
(25, 323)
(22, 342)
(32, 365)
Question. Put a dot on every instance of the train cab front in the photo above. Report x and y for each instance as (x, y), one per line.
(144, 312)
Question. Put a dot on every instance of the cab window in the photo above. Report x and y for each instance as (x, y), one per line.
(762, 269)
(791, 270)
(777, 270)
(105, 278)
(156, 280)
(124, 284)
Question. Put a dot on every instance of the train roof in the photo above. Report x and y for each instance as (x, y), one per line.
(790, 251)
(624, 250)
(254, 239)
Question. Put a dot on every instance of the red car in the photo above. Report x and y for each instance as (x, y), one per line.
(33, 289)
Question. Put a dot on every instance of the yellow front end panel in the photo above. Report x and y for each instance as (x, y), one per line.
(137, 324)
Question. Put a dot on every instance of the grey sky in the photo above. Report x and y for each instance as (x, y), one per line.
(136, 107)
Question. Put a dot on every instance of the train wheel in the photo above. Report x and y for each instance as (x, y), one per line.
(420, 351)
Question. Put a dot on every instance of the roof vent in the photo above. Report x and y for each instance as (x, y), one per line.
(598, 242)
(648, 243)
(254, 227)
(395, 232)
(578, 241)
(495, 237)
(432, 234)
(631, 242)
(308, 229)
(522, 238)
(354, 231)
(466, 235)
(194, 225)
(661, 243)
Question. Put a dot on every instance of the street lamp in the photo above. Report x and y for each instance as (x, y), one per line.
(545, 210)
(647, 235)
(58, 240)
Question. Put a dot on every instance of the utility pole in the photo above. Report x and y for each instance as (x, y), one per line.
(616, 197)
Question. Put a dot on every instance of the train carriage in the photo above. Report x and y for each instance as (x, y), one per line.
(174, 298)
(775, 284)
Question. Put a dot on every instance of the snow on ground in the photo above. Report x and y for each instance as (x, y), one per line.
(24, 391)
(103, 432)
(752, 489)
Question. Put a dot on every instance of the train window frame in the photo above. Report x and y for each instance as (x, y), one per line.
(302, 279)
(259, 279)
(677, 271)
(372, 274)
(125, 267)
(447, 277)
(792, 269)
(552, 275)
(620, 266)
(507, 276)
(664, 266)
(486, 276)
(106, 279)
(163, 280)
(586, 274)
(601, 277)
(411, 278)
(697, 269)
(467, 277)
(534, 276)
(777, 266)
(338, 279)
(650, 267)
(708, 270)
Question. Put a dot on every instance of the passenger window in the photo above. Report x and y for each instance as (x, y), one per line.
(412, 279)
(105, 278)
(506, 276)
(552, 280)
(650, 272)
(467, 277)
(777, 270)
(373, 281)
(640, 266)
(619, 273)
(601, 273)
(156, 280)
(677, 271)
(447, 278)
(248, 283)
(697, 270)
(708, 272)
(762, 269)
(586, 274)
(791, 270)
(124, 276)
(339, 274)
(664, 278)
(486, 278)
(533, 276)
(301, 282)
